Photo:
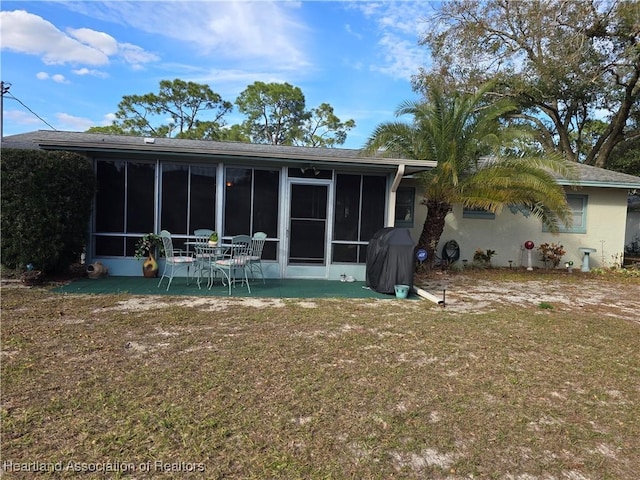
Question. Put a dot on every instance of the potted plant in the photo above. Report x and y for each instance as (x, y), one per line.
(148, 246)
(213, 239)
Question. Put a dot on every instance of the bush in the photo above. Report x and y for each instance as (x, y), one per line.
(45, 208)
(551, 253)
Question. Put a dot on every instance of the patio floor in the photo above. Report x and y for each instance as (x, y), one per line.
(273, 288)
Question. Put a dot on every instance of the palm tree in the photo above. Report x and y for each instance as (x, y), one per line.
(477, 164)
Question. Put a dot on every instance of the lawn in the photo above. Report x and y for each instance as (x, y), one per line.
(124, 386)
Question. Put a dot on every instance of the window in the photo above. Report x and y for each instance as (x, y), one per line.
(359, 213)
(126, 202)
(405, 201)
(477, 213)
(578, 206)
(188, 198)
(124, 205)
(251, 205)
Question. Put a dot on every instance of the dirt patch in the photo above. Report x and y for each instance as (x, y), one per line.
(474, 294)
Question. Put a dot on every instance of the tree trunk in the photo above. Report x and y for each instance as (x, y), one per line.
(432, 229)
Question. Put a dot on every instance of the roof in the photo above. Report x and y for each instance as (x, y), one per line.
(229, 151)
(274, 154)
(589, 176)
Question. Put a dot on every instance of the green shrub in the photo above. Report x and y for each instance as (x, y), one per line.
(45, 208)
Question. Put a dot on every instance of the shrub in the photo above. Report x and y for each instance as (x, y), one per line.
(482, 258)
(551, 253)
(45, 208)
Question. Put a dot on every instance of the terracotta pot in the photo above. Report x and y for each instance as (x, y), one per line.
(150, 267)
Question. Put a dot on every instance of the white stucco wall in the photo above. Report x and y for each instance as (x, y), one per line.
(606, 218)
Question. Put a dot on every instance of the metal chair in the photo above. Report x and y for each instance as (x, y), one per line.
(255, 254)
(174, 259)
(234, 260)
(201, 259)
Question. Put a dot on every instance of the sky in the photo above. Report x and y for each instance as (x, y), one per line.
(70, 63)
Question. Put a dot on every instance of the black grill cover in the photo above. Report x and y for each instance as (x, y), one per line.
(390, 259)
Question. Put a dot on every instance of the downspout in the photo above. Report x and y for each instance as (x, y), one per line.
(391, 211)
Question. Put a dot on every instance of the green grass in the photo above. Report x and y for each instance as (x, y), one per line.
(322, 389)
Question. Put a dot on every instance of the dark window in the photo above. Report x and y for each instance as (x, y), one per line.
(202, 206)
(347, 207)
(140, 197)
(188, 198)
(237, 205)
(124, 204)
(405, 201)
(359, 212)
(175, 199)
(110, 197)
(251, 205)
(373, 203)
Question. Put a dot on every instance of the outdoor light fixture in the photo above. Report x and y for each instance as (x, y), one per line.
(313, 168)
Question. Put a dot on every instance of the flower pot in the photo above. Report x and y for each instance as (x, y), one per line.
(401, 291)
(150, 267)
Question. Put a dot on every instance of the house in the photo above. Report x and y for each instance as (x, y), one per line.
(319, 207)
(601, 221)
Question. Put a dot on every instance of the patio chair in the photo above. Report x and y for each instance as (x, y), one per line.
(201, 257)
(234, 261)
(255, 254)
(175, 259)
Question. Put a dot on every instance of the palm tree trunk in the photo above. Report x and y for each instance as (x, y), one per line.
(432, 229)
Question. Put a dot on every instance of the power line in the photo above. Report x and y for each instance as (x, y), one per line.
(11, 95)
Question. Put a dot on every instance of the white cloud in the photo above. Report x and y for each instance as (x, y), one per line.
(108, 119)
(92, 72)
(350, 31)
(98, 40)
(401, 59)
(58, 78)
(260, 31)
(24, 32)
(400, 30)
(65, 121)
(30, 34)
(20, 117)
(135, 55)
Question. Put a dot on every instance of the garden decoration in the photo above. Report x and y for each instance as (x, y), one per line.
(529, 246)
(148, 247)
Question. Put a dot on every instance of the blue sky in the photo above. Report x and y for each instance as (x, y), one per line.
(72, 62)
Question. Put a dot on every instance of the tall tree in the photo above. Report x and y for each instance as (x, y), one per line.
(185, 103)
(275, 112)
(566, 62)
(463, 134)
(323, 128)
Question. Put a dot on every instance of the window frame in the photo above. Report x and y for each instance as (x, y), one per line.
(582, 212)
(478, 213)
(358, 245)
(411, 206)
